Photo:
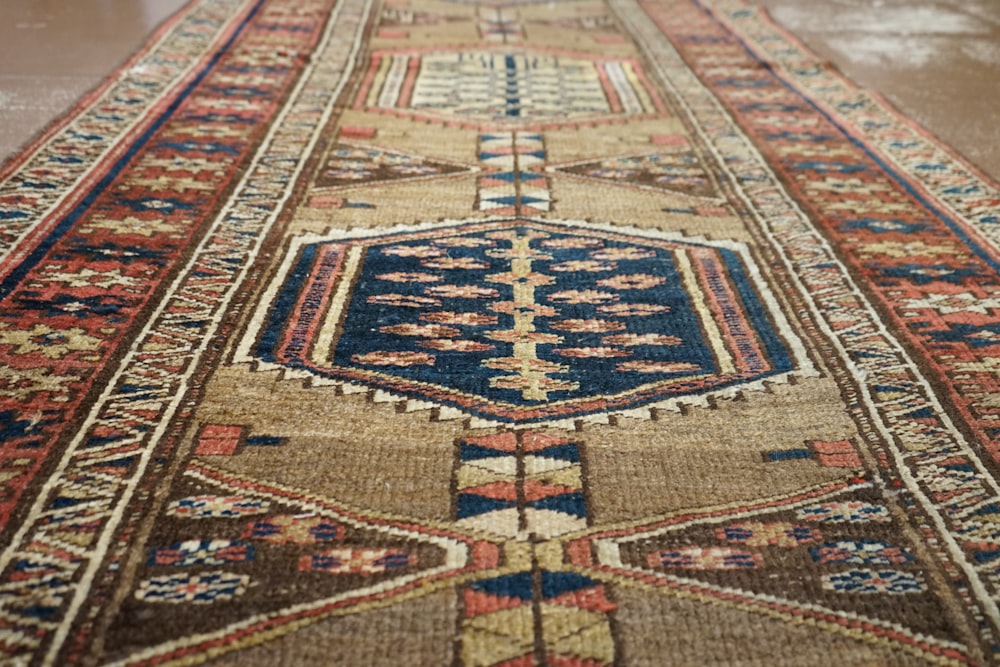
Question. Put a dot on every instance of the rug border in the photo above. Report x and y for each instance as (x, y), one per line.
(27, 148)
(879, 97)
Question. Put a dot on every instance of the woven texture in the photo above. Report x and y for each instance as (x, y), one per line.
(514, 333)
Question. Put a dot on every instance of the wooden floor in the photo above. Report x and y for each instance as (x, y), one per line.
(54, 51)
(937, 60)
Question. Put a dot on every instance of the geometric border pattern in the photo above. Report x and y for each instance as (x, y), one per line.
(929, 453)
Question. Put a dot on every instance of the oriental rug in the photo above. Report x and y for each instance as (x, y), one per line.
(570, 333)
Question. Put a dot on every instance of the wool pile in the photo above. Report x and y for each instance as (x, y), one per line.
(574, 333)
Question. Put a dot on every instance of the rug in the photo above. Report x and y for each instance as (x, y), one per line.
(513, 333)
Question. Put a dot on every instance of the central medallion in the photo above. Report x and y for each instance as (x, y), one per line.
(507, 87)
(521, 321)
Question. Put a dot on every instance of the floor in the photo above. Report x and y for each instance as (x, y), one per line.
(54, 51)
(936, 60)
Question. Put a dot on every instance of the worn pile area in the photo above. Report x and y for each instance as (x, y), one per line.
(516, 333)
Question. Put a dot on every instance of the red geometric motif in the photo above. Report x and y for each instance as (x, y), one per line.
(219, 440)
(95, 270)
(924, 267)
(532, 532)
(357, 132)
(836, 454)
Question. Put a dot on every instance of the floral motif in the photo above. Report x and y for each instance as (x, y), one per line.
(634, 340)
(413, 169)
(658, 367)
(293, 529)
(513, 364)
(203, 588)
(778, 534)
(628, 252)
(899, 250)
(22, 384)
(613, 173)
(349, 163)
(413, 277)
(344, 171)
(394, 358)
(571, 243)
(671, 171)
(452, 345)
(511, 278)
(582, 296)
(586, 265)
(682, 181)
(948, 304)
(50, 343)
(860, 552)
(201, 552)
(511, 308)
(462, 292)
(873, 581)
(449, 317)
(413, 251)
(464, 242)
(216, 507)
(603, 23)
(508, 254)
(134, 226)
(633, 281)
(405, 300)
(87, 277)
(706, 558)
(421, 330)
(521, 383)
(852, 511)
(591, 352)
(466, 263)
(581, 326)
(356, 561)
(634, 309)
(407, 16)
(509, 336)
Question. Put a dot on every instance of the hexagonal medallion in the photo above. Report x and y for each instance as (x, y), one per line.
(507, 87)
(521, 321)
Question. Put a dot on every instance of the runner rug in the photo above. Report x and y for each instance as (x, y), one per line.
(515, 333)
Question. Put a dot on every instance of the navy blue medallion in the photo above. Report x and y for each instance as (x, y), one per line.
(521, 321)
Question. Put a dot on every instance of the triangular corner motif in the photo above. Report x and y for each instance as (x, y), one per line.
(829, 552)
(678, 172)
(220, 527)
(357, 165)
